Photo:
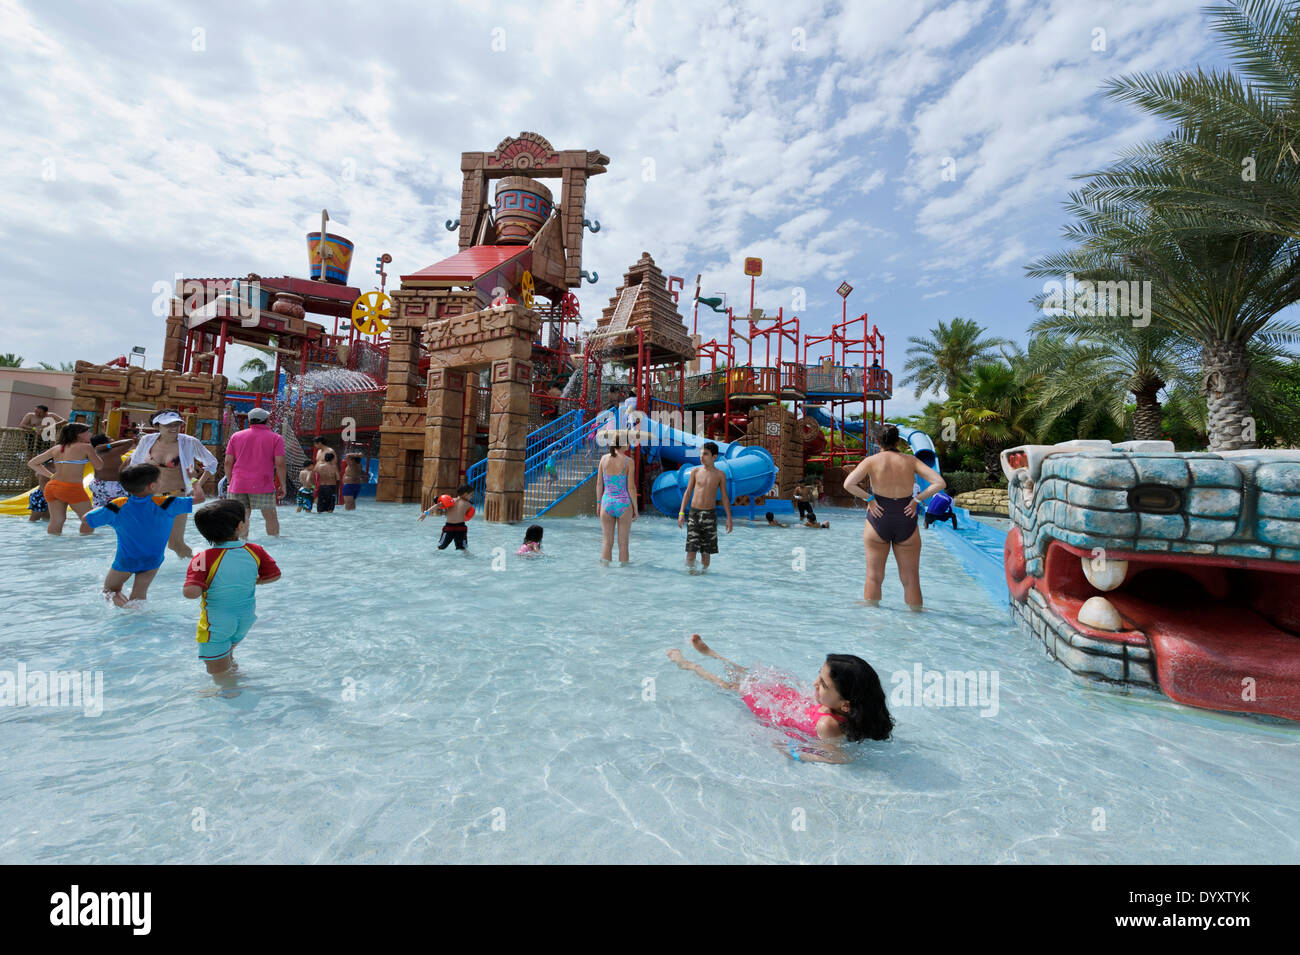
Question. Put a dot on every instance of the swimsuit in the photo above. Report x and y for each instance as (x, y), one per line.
(615, 500)
(326, 498)
(893, 526)
(527, 551)
(69, 492)
(305, 498)
(143, 526)
(36, 501)
(101, 492)
(228, 608)
(701, 531)
(454, 532)
(784, 706)
(351, 490)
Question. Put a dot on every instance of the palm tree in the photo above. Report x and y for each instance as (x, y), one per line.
(936, 363)
(1211, 213)
(262, 375)
(62, 366)
(10, 360)
(1115, 360)
(989, 409)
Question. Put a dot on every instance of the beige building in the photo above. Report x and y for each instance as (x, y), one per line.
(22, 389)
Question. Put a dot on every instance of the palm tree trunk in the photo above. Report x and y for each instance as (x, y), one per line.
(1147, 417)
(992, 460)
(1224, 367)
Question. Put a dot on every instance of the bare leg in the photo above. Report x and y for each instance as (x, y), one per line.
(698, 643)
(113, 585)
(877, 553)
(81, 511)
(349, 503)
(272, 521)
(140, 589)
(908, 556)
(607, 524)
(624, 529)
(704, 562)
(177, 540)
(676, 656)
(58, 514)
(690, 561)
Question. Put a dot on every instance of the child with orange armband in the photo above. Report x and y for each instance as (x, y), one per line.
(457, 511)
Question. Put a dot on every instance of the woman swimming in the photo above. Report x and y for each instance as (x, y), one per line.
(63, 487)
(891, 515)
(848, 702)
(617, 507)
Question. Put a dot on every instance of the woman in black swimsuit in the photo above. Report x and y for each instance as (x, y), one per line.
(891, 515)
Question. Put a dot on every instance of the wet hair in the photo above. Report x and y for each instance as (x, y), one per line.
(770, 516)
(136, 478)
(613, 440)
(329, 455)
(219, 521)
(858, 683)
(42, 407)
(711, 447)
(888, 437)
(320, 439)
(463, 490)
(69, 432)
(533, 534)
(100, 441)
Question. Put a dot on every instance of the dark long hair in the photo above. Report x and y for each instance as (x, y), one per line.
(889, 437)
(533, 534)
(858, 683)
(68, 433)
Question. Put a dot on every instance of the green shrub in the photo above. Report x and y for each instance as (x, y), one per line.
(959, 482)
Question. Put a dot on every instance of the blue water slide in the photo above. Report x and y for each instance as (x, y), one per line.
(750, 470)
(920, 443)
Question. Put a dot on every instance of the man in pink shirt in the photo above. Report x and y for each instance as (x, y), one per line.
(255, 466)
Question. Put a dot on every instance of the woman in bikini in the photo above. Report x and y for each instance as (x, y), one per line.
(891, 515)
(617, 505)
(63, 488)
(178, 456)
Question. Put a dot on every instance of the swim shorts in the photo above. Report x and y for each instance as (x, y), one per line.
(351, 490)
(221, 641)
(101, 492)
(255, 502)
(459, 533)
(701, 531)
(36, 502)
(69, 492)
(305, 498)
(326, 498)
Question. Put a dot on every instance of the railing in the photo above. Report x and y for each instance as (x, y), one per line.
(838, 380)
(17, 447)
(794, 377)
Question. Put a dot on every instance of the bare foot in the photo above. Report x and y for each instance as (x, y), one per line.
(676, 656)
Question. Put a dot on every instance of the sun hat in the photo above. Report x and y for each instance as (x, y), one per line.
(259, 415)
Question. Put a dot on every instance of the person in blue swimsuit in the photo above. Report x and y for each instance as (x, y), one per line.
(617, 505)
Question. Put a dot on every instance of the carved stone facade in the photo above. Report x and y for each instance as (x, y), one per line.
(649, 305)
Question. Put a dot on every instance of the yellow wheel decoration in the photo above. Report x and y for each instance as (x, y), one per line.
(371, 311)
(526, 289)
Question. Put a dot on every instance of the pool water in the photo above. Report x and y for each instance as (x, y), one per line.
(400, 704)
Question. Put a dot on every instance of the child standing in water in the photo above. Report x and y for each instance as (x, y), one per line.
(327, 483)
(143, 522)
(702, 489)
(306, 490)
(532, 546)
(226, 576)
(354, 475)
(461, 510)
(848, 702)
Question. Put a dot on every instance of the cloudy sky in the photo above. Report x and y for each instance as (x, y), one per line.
(920, 149)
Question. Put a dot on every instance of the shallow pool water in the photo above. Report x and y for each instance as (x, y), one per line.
(400, 704)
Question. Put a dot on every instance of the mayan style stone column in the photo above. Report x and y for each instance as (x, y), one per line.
(507, 437)
(442, 434)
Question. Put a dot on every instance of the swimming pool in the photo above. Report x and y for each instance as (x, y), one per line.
(399, 704)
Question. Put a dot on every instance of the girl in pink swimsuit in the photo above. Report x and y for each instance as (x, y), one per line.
(848, 702)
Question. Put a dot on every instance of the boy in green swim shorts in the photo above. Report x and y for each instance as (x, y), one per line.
(226, 576)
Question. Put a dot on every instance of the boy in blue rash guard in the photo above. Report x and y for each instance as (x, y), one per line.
(939, 508)
(226, 576)
(143, 522)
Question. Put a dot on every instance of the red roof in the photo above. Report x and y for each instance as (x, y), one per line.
(468, 265)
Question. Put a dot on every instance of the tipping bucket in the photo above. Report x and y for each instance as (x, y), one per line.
(522, 207)
(338, 253)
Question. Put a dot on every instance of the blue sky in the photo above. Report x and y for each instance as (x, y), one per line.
(160, 138)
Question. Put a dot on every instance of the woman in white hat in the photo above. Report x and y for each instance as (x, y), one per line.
(183, 462)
